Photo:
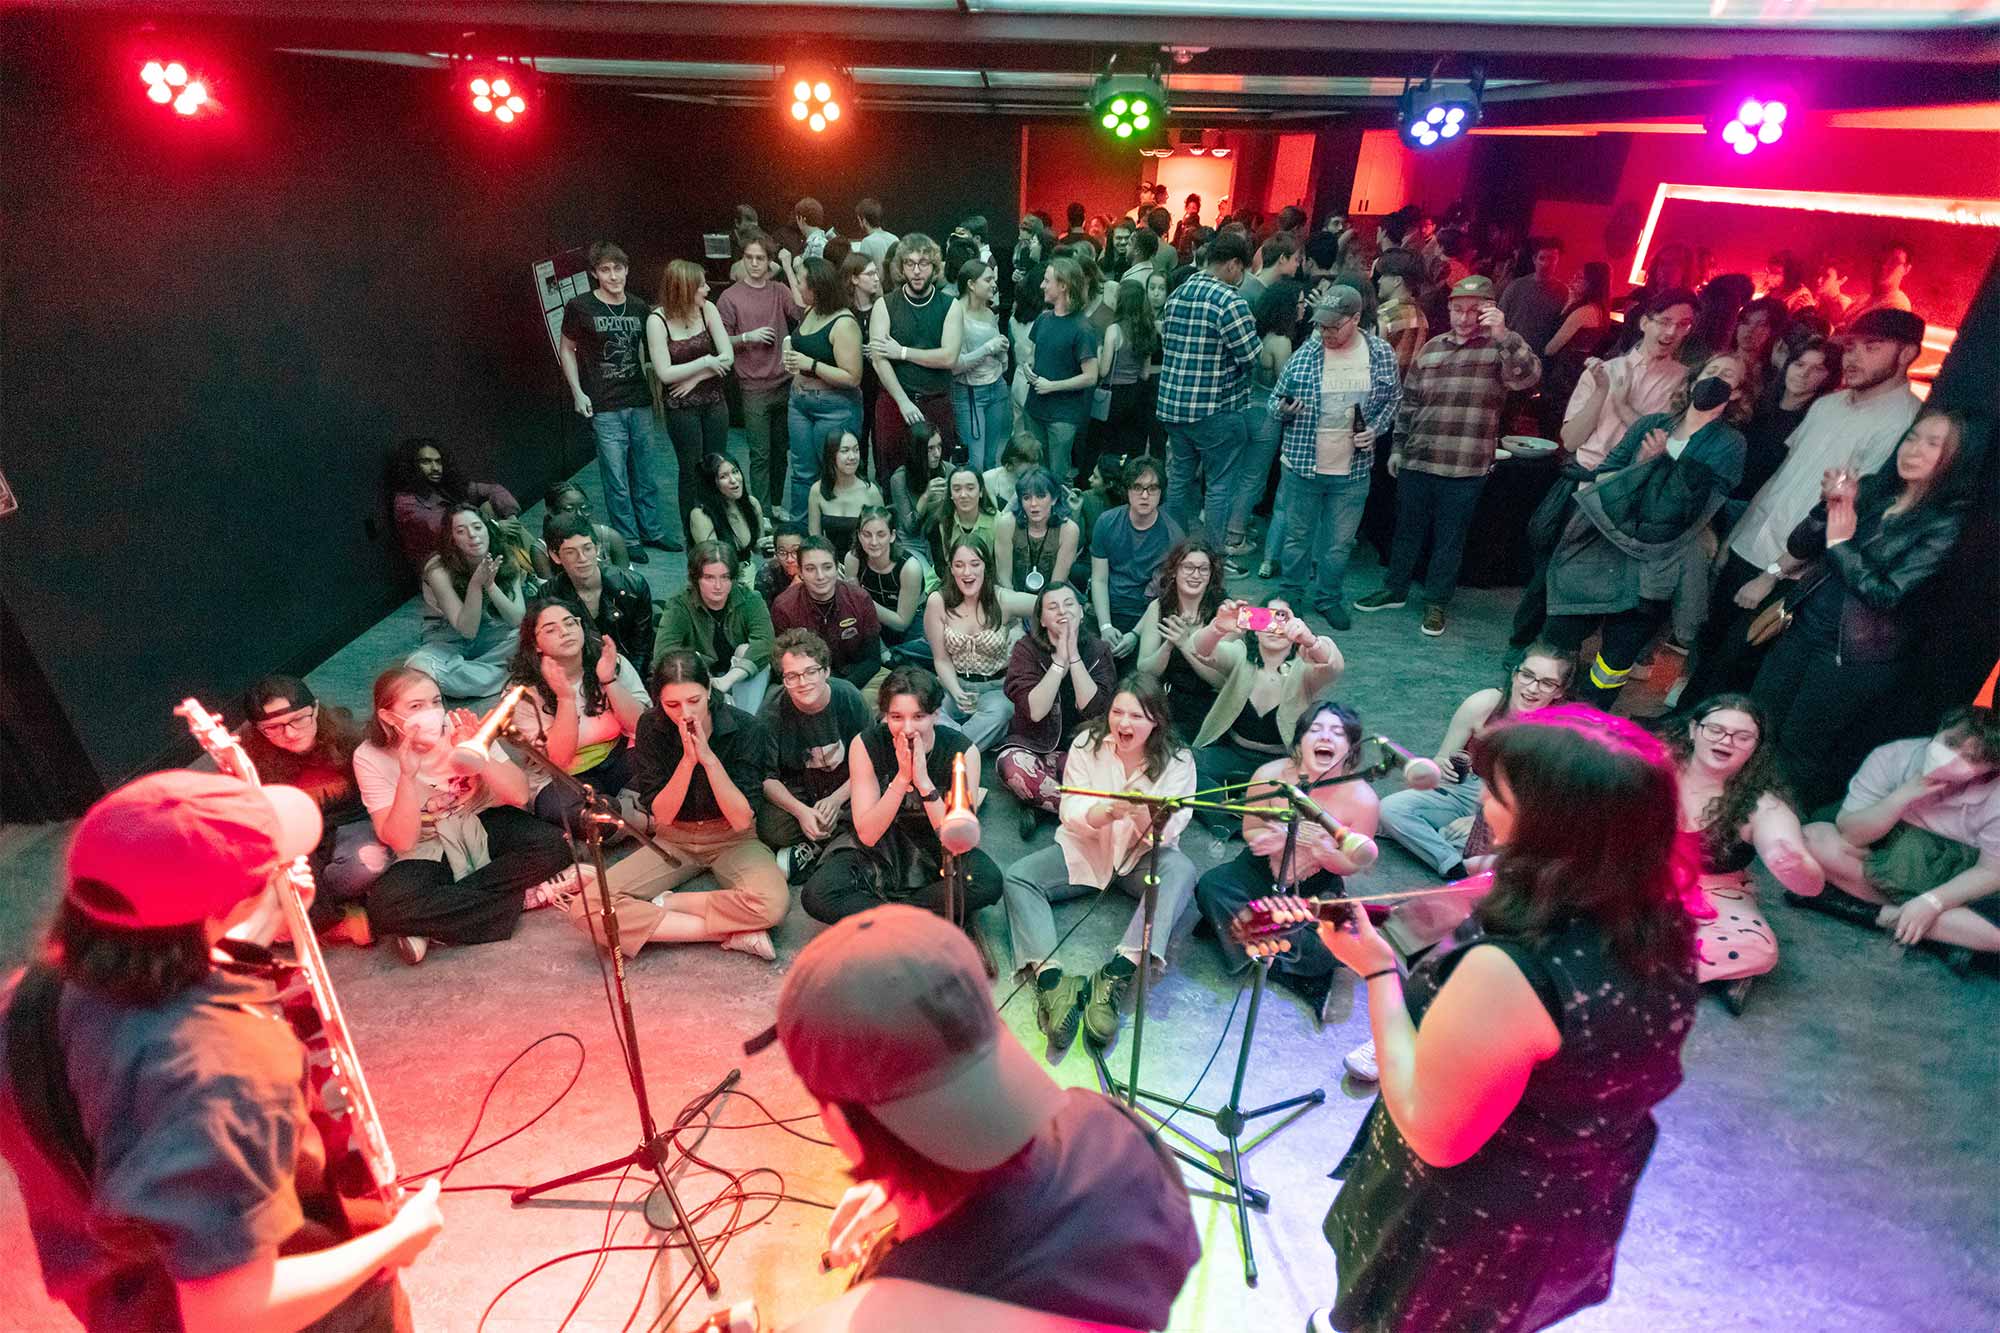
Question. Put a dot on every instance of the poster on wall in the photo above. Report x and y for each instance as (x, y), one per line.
(557, 279)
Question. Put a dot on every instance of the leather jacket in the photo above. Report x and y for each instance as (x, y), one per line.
(1875, 571)
(624, 611)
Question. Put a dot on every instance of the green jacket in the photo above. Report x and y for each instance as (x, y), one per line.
(686, 623)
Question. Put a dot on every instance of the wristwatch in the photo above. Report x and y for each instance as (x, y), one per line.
(1775, 569)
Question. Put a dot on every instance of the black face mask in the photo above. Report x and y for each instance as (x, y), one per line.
(1710, 392)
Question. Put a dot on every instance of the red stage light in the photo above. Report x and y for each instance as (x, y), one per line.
(501, 89)
(814, 96)
(169, 83)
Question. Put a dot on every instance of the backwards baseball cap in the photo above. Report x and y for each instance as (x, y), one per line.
(274, 696)
(890, 1009)
(1903, 326)
(1340, 302)
(178, 847)
(1474, 284)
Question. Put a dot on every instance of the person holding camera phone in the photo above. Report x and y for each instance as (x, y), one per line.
(1275, 668)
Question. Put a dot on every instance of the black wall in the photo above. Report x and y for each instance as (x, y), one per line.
(214, 331)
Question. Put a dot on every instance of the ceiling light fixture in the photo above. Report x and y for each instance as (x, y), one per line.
(814, 97)
(1430, 113)
(501, 90)
(1129, 106)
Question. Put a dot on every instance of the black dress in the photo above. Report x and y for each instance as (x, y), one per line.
(1525, 1231)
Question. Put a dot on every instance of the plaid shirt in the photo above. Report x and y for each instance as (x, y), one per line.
(1210, 341)
(1452, 399)
(1404, 325)
(1300, 379)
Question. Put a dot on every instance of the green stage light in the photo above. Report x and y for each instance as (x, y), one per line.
(1128, 104)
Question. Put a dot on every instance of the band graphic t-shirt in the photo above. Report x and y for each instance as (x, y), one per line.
(610, 350)
(810, 749)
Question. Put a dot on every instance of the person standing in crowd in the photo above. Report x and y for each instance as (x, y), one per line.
(296, 741)
(900, 775)
(1872, 545)
(473, 599)
(1917, 838)
(562, 500)
(1336, 396)
(977, 1173)
(811, 722)
(725, 624)
(970, 624)
(824, 360)
(1277, 261)
(1447, 428)
(698, 770)
(424, 486)
(1210, 342)
(1811, 371)
(1759, 326)
(1190, 592)
(1128, 544)
(1785, 282)
(1892, 266)
(603, 357)
(1581, 332)
(915, 334)
(154, 1115)
(861, 281)
(1398, 317)
(1855, 430)
(1279, 312)
(875, 239)
(892, 577)
(617, 603)
(1491, 1180)
(1062, 368)
(692, 356)
(1832, 303)
(725, 511)
(1034, 539)
(582, 707)
(1325, 745)
(1534, 302)
(1184, 230)
(468, 858)
(980, 404)
(1125, 369)
(1270, 678)
(808, 215)
(759, 315)
(1625, 544)
(1059, 676)
(834, 505)
(1614, 393)
(1130, 747)
(837, 611)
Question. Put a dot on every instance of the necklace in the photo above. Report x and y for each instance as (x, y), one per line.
(1034, 580)
(930, 294)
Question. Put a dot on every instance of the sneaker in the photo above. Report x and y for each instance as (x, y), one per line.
(1024, 823)
(1104, 1009)
(1381, 600)
(411, 948)
(1673, 645)
(665, 544)
(637, 554)
(1234, 567)
(1434, 621)
(785, 863)
(1320, 1320)
(558, 889)
(804, 857)
(1268, 569)
(1360, 1062)
(1336, 616)
(1058, 1006)
(756, 943)
(1238, 545)
(352, 927)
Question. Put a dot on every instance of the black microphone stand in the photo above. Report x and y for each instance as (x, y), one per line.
(596, 814)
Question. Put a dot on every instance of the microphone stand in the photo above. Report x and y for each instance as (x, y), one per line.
(655, 1148)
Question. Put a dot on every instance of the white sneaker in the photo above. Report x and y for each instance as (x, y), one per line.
(1360, 1062)
(558, 889)
(756, 943)
(785, 863)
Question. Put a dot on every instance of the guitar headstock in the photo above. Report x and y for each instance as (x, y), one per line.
(217, 740)
(1262, 924)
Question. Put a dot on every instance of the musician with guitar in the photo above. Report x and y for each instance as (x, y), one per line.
(154, 1112)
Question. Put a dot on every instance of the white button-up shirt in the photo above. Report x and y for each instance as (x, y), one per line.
(1096, 854)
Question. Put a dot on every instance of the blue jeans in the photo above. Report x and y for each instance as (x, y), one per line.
(1265, 431)
(1215, 445)
(1439, 508)
(1322, 514)
(1058, 441)
(1418, 819)
(811, 414)
(985, 417)
(625, 463)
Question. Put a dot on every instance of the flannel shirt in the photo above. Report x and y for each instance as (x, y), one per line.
(1210, 342)
(1450, 415)
(1404, 325)
(1300, 379)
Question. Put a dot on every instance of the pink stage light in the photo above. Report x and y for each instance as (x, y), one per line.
(168, 83)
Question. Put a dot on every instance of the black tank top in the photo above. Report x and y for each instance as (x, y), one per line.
(920, 326)
(819, 344)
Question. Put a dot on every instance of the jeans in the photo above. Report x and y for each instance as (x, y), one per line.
(1215, 445)
(992, 712)
(810, 415)
(625, 463)
(1266, 430)
(1035, 882)
(1322, 515)
(765, 416)
(748, 693)
(1417, 820)
(1228, 888)
(1439, 508)
(695, 432)
(984, 415)
(1723, 658)
(1058, 441)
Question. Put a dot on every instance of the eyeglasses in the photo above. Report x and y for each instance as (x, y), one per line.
(292, 724)
(1715, 731)
(811, 673)
(1144, 488)
(1529, 680)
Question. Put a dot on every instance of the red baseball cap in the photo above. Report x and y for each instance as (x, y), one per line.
(178, 847)
(890, 1009)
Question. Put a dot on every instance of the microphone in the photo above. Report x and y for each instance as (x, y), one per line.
(470, 754)
(738, 1318)
(958, 831)
(1356, 847)
(1419, 773)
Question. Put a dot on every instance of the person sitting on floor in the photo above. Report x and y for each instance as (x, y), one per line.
(892, 577)
(468, 858)
(971, 626)
(967, 512)
(1130, 748)
(425, 486)
(838, 611)
(1326, 743)
(1034, 538)
(1128, 544)
(781, 571)
(899, 774)
(1919, 835)
(473, 598)
(812, 721)
(1059, 677)
(582, 707)
(1191, 588)
(723, 623)
(835, 501)
(296, 741)
(725, 511)
(568, 498)
(698, 770)
(617, 602)
(1270, 678)
(1022, 455)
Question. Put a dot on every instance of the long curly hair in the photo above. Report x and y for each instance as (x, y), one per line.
(406, 479)
(525, 666)
(1170, 573)
(458, 566)
(1761, 773)
(1151, 696)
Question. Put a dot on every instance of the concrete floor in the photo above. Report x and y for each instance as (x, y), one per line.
(1829, 1163)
